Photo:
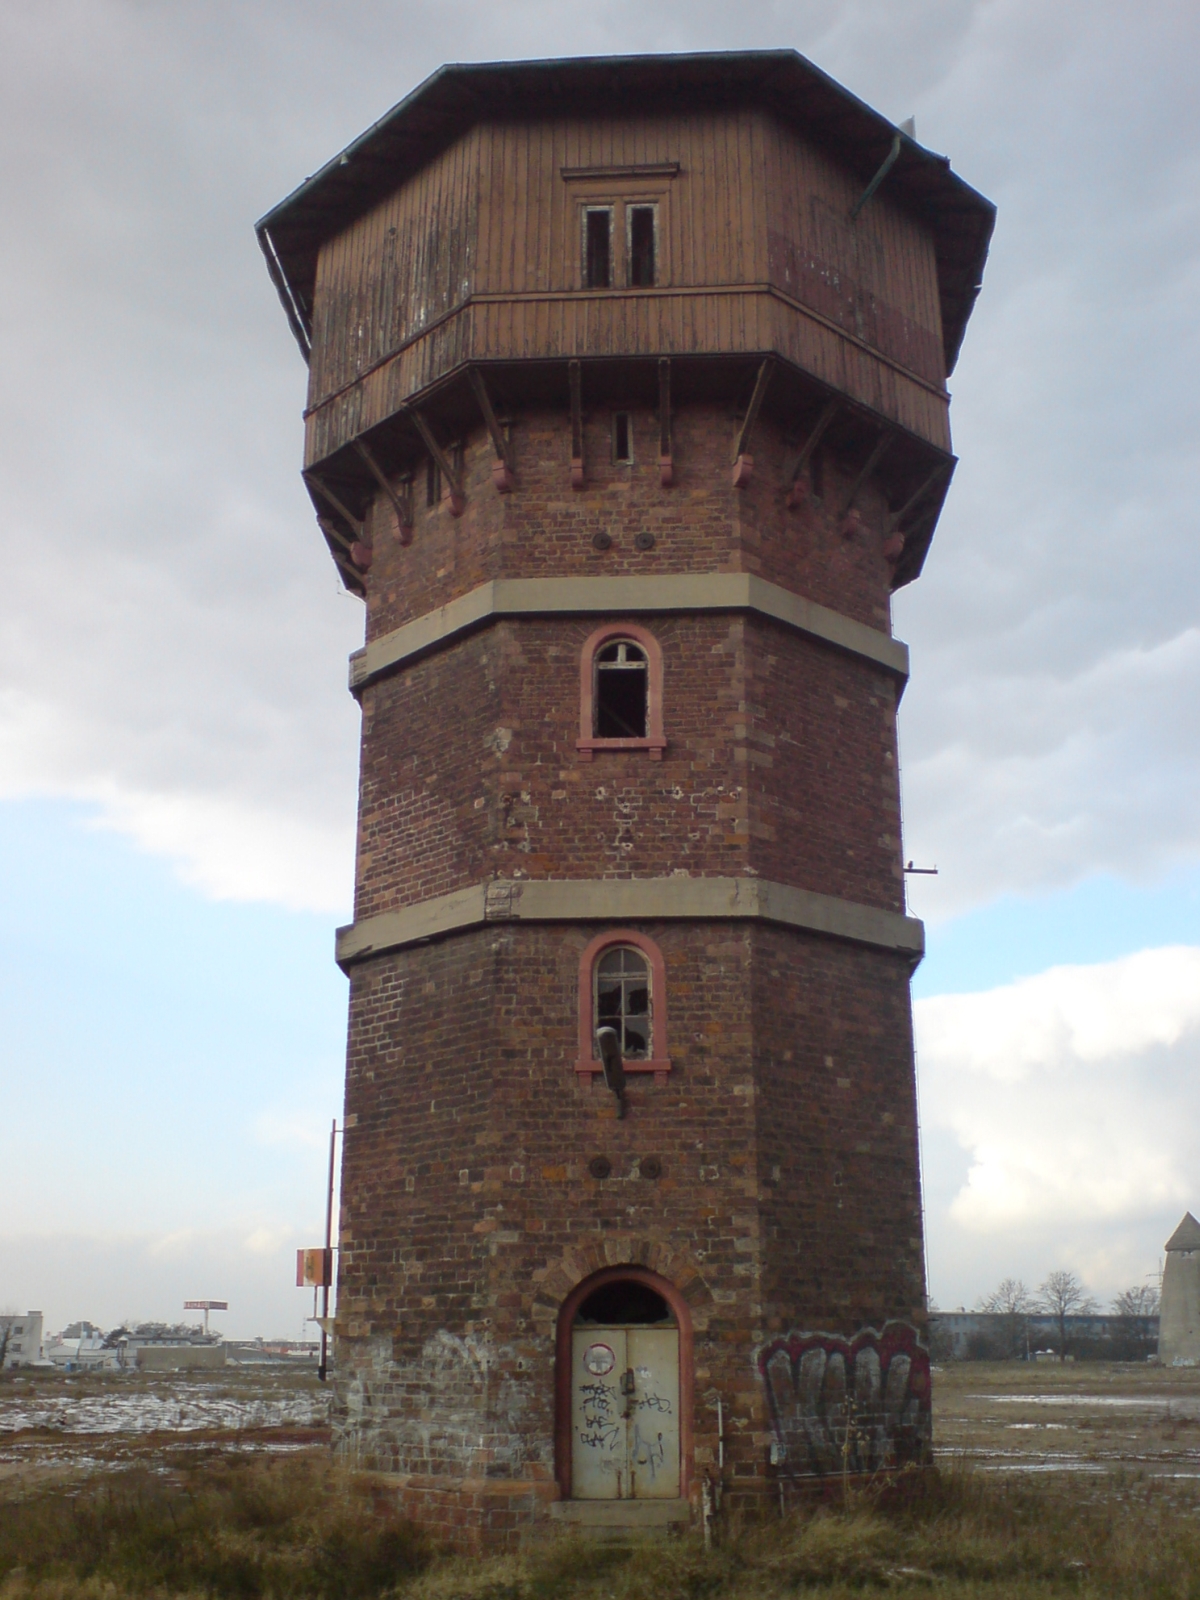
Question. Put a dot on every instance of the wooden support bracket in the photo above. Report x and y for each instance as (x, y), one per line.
(743, 461)
(359, 550)
(343, 552)
(850, 521)
(401, 504)
(799, 491)
(330, 498)
(503, 474)
(893, 537)
(666, 461)
(575, 378)
(458, 500)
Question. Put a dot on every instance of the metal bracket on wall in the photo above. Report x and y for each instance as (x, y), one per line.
(401, 504)
(799, 491)
(503, 474)
(575, 380)
(458, 500)
(666, 462)
(743, 461)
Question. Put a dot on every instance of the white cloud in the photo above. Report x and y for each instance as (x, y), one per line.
(267, 1241)
(1062, 1116)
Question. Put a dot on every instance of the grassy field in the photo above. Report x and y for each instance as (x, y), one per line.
(1081, 1481)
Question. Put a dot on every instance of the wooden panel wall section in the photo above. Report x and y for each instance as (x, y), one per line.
(477, 258)
(396, 270)
(875, 277)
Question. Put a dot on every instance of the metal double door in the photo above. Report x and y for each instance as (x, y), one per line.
(625, 1413)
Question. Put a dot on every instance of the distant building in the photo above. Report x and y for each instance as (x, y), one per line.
(1179, 1323)
(21, 1340)
(82, 1352)
(994, 1336)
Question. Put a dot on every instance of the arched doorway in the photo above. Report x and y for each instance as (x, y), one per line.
(624, 1385)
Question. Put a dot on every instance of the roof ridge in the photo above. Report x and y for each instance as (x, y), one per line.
(1186, 1235)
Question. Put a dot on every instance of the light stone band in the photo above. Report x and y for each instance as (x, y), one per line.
(630, 900)
(709, 591)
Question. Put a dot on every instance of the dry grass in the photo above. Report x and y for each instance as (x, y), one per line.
(226, 1527)
(294, 1526)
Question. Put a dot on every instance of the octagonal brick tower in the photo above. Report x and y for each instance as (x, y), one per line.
(627, 412)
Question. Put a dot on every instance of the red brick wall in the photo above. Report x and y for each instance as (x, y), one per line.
(702, 524)
(781, 761)
(785, 1200)
(789, 1197)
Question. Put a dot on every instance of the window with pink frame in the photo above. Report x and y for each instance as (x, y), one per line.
(623, 985)
(621, 692)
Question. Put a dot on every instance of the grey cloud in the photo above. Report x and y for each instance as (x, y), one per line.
(173, 633)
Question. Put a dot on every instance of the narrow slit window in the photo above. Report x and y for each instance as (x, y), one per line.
(642, 229)
(623, 1000)
(597, 247)
(622, 437)
(433, 482)
(622, 690)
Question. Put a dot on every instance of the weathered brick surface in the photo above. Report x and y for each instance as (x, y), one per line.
(789, 1198)
(702, 524)
(780, 761)
(788, 1195)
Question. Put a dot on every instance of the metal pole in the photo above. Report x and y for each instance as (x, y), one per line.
(324, 1366)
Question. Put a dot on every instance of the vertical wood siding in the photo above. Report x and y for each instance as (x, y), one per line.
(448, 268)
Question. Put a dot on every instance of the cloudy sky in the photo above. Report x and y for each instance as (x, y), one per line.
(177, 749)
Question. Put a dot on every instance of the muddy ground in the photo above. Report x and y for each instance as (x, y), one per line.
(1008, 1417)
(54, 1424)
(1087, 1417)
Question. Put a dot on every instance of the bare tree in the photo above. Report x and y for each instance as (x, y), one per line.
(1012, 1301)
(1140, 1301)
(1062, 1296)
(1134, 1335)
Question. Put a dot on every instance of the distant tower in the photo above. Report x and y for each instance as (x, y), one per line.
(627, 412)
(1179, 1310)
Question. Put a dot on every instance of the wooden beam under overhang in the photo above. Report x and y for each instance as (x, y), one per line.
(503, 473)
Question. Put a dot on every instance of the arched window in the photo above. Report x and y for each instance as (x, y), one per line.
(622, 1000)
(620, 692)
(623, 985)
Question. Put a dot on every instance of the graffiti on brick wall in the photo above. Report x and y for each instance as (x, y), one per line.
(848, 1405)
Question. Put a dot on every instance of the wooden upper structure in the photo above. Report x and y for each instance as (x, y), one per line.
(448, 237)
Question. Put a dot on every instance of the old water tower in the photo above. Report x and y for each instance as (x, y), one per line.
(627, 412)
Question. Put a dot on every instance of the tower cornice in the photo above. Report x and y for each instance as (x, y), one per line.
(617, 596)
(630, 900)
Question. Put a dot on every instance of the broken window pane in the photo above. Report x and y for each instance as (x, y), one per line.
(621, 691)
(641, 247)
(597, 263)
(623, 999)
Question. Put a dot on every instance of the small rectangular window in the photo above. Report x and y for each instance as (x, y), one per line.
(597, 247)
(642, 220)
(622, 437)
